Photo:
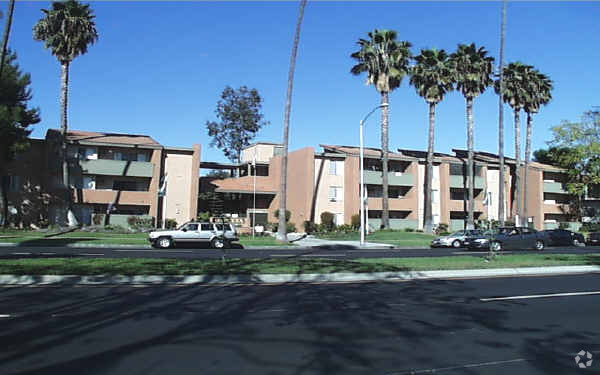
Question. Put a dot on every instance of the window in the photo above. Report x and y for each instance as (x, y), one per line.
(336, 194)
(458, 194)
(206, 227)
(142, 157)
(336, 167)
(456, 170)
(192, 227)
(436, 196)
(125, 185)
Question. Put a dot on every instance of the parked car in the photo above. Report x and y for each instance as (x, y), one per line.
(482, 241)
(456, 239)
(593, 239)
(519, 238)
(565, 237)
(218, 235)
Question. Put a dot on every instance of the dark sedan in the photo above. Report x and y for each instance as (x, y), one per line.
(563, 237)
(593, 239)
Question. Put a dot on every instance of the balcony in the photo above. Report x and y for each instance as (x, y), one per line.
(461, 182)
(554, 187)
(395, 204)
(106, 167)
(558, 208)
(110, 196)
(394, 178)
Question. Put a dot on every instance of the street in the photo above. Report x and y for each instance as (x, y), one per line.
(524, 325)
(334, 252)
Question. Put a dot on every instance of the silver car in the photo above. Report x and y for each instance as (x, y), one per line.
(218, 235)
(456, 239)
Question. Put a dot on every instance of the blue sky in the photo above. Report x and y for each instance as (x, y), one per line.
(159, 68)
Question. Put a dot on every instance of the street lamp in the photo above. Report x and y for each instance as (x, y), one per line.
(362, 178)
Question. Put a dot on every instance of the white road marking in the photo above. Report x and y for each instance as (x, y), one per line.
(91, 254)
(21, 253)
(4, 315)
(156, 251)
(282, 255)
(539, 296)
(324, 255)
(48, 253)
(470, 365)
(477, 252)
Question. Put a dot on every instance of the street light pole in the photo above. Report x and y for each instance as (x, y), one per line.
(362, 178)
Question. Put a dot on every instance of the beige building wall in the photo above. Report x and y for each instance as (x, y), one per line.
(351, 188)
(178, 167)
(535, 197)
(264, 152)
(322, 191)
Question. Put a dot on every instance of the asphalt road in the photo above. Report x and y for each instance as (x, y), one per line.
(333, 252)
(446, 327)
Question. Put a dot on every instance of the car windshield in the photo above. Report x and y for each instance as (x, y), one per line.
(458, 233)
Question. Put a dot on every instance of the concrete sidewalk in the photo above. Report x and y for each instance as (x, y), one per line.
(32, 280)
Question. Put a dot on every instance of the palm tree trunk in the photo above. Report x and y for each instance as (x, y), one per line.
(64, 128)
(517, 185)
(4, 197)
(527, 156)
(428, 227)
(281, 228)
(385, 125)
(470, 221)
(9, 18)
(501, 199)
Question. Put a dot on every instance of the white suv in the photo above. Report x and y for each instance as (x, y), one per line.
(219, 235)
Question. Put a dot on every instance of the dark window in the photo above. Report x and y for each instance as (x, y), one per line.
(456, 170)
(125, 185)
(205, 227)
(193, 227)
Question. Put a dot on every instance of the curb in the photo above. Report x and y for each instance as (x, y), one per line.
(10, 244)
(290, 278)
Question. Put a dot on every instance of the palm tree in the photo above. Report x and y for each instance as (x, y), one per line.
(432, 77)
(386, 62)
(11, 10)
(282, 227)
(516, 95)
(539, 90)
(67, 30)
(473, 68)
(501, 176)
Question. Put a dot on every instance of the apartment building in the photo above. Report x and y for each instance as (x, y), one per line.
(119, 174)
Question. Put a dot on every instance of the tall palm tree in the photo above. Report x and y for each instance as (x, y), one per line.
(473, 69)
(281, 228)
(501, 176)
(386, 62)
(539, 92)
(7, 25)
(67, 30)
(516, 95)
(432, 77)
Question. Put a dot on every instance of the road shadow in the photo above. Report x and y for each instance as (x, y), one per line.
(58, 242)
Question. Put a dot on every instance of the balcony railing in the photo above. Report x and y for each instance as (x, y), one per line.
(554, 187)
(461, 182)
(107, 167)
(394, 178)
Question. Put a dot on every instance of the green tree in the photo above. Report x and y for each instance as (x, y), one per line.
(68, 29)
(386, 62)
(576, 148)
(432, 77)
(240, 118)
(7, 25)
(516, 95)
(473, 69)
(539, 92)
(15, 120)
(282, 227)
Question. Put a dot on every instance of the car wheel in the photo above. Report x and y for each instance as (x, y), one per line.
(456, 244)
(217, 243)
(576, 242)
(539, 245)
(164, 242)
(496, 246)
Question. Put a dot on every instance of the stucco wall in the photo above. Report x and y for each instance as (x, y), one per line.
(178, 166)
(322, 201)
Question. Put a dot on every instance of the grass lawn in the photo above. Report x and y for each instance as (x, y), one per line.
(137, 266)
(392, 237)
(34, 238)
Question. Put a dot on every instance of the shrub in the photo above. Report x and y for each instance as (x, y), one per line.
(98, 219)
(170, 223)
(140, 222)
(309, 227)
(355, 221)
(327, 220)
(289, 227)
(509, 223)
(563, 225)
(419, 231)
(590, 227)
(409, 229)
(203, 216)
(115, 229)
(288, 215)
(345, 228)
(441, 228)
